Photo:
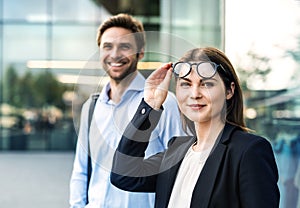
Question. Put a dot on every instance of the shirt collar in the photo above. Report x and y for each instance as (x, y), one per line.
(137, 84)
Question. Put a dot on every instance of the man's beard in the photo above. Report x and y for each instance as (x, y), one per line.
(131, 69)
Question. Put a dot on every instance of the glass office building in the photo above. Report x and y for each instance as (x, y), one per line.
(47, 47)
(42, 39)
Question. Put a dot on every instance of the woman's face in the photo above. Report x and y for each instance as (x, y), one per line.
(202, 100)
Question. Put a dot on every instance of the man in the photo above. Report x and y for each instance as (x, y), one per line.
(121, 41)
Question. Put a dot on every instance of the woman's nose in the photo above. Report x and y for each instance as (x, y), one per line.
(196, 92)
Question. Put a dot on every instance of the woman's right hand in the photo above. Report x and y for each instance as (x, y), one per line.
(157, 86)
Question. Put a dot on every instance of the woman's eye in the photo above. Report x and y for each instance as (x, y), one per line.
(185, 84)
(207, 84)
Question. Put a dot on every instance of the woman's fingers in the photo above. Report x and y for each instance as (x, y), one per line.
(157, 85)
(159, 73)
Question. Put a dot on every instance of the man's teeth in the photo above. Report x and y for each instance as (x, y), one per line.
(116, 64)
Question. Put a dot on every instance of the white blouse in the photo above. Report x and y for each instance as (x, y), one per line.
(187, 177)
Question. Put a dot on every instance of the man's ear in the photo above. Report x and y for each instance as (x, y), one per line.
(230, 92)
(140, 54)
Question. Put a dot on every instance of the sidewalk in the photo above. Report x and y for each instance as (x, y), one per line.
(35, 179)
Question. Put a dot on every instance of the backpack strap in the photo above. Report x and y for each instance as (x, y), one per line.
(89, 163)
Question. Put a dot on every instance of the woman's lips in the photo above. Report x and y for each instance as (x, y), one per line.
(196, 106)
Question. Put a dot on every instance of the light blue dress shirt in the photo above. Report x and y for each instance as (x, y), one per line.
(107, 126)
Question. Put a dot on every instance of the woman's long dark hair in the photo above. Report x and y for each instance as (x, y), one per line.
(234, 112)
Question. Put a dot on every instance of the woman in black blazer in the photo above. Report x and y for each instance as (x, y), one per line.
(222, 165)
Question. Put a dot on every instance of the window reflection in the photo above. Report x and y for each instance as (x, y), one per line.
(22, 42)
(29, 10)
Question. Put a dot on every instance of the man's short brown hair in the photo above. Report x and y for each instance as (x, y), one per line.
(125, 21)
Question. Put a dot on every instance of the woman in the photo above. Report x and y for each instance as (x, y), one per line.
(222, 165)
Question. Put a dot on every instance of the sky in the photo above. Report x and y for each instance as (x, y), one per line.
(268, 28)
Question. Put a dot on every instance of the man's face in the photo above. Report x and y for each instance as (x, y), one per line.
(118, 52)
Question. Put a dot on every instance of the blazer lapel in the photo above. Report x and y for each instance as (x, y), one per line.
(177, 150)
(204, 186)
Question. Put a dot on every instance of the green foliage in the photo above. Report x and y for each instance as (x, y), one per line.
(27, 91)
(259, 66)
(10, 86)
(32, 90)
(1, 91)
(295, 53)
(50, 90)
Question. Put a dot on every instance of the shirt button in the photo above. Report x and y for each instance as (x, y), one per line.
(143, 111)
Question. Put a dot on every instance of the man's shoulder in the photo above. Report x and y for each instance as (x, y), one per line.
(171, 99)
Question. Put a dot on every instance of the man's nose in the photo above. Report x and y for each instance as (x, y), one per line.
(115, 53)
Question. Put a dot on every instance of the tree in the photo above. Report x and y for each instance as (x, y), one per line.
(10, 86)
(32, 91)
(295, 55)
(27, 90)
(48, 90)
(1, 90)
(254, 66)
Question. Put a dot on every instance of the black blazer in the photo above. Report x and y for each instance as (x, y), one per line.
(240, 172)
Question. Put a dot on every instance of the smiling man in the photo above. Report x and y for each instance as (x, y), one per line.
(121, 41)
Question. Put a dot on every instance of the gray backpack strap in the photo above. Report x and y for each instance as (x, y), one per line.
(89, 165)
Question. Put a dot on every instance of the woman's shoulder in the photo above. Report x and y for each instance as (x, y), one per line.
(245, 140)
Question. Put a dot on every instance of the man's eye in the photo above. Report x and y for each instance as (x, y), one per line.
(125, 47)
(107, 47)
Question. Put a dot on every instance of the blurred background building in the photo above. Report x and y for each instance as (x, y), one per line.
(47, 47)
(48, 59)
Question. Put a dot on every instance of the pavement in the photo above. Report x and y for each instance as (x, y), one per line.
(40, 179)
(35, 179)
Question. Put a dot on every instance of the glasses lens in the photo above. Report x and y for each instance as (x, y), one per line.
(207, 69)
(181, 69)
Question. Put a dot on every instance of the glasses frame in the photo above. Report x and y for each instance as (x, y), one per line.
(197, 65)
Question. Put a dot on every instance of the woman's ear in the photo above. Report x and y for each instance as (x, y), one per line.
(230, 92)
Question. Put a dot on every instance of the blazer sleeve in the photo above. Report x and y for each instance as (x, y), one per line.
(259, 176)
(130, 171)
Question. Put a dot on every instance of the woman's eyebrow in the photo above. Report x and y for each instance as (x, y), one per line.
(204, 79)
(185, 79)
(201, 80)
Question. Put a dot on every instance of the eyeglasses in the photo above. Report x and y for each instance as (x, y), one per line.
(204, 69)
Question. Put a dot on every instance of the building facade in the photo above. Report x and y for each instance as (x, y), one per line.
(51, 44)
